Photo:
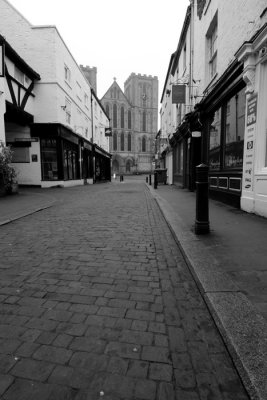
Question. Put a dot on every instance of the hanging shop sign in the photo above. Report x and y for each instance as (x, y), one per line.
(250, 143)
(178, 94)
(108, 132)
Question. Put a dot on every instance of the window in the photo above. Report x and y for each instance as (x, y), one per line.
(20, 154)
(143, 144)
(227, 133)
(70, 152)
(79, 91)
(114, 115)
(129, 119)
(115, 142)
(234, 131)
(212, 48)
(107, 109)
(49, 159)
(215, 140)
(122, 141)
(67, 74)
(144, 122)
(86, 99)
(122, 117)
(68, 110)
(129, 142)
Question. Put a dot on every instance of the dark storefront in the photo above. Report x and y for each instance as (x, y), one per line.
(66, 156)
(223, 116)
(186, 152)
(102, 164)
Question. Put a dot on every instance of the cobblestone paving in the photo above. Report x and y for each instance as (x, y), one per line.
(96, 302)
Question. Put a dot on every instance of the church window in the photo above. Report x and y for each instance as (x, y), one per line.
(114, 115)
(122, 117)
(144, 144)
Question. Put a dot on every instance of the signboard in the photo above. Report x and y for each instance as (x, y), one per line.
(2, 60)
(178, 94)
(108, 132)
(250, 143)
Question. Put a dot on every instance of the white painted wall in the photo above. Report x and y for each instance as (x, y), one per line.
(237, 21)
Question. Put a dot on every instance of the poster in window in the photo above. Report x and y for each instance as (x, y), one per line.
(250, 143)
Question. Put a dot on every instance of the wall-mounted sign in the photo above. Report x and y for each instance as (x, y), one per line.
(2, 59)
(108, 132)
(248, 166)
(34, 157)
(178, 94)
(196, 134)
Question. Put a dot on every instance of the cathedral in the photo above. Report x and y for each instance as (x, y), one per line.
(134, 121)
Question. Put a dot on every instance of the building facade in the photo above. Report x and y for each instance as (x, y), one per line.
(134, 117)
(225, 91)
(66, 111)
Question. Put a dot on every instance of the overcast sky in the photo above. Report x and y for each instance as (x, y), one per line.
(116, 36)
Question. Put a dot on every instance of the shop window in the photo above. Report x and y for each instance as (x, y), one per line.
(49, 159)
(129, 142)
(70, 152)
(234, 131)
(215, 140)
(21, 154)
(179, 159)
(122, 141)
(122, 117)
(227, 134)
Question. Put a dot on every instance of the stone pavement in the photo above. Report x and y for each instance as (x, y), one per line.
(27, 202)
(230, 268)
(98, 302)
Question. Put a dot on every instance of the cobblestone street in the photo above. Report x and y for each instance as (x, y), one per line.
(97, 302)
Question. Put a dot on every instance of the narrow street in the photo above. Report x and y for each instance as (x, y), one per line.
(97, 302)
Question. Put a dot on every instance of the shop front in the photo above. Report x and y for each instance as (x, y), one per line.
(66, 158)
(223, 116)
(102, 164)
(186, 146)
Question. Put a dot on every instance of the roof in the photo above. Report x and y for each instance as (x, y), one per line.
(18, 61)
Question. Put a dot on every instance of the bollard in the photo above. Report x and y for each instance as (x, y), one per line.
(202, 225)
(155, 180)
(149, 179)
(122, 178)
(146, 179)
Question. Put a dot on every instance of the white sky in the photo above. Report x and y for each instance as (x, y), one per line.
(116, 36)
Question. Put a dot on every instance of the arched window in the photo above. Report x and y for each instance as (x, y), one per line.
(122, 141)
(129, 119)
(144, 122)
(143, 144)
(114, 115)
(122, 117)
(129, 142)
(107, 109)
(115, 141)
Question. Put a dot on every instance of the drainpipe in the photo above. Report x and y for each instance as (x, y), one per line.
(191, 57)
(93, 146)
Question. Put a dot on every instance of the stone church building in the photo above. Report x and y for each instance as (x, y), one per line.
(134, 121)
